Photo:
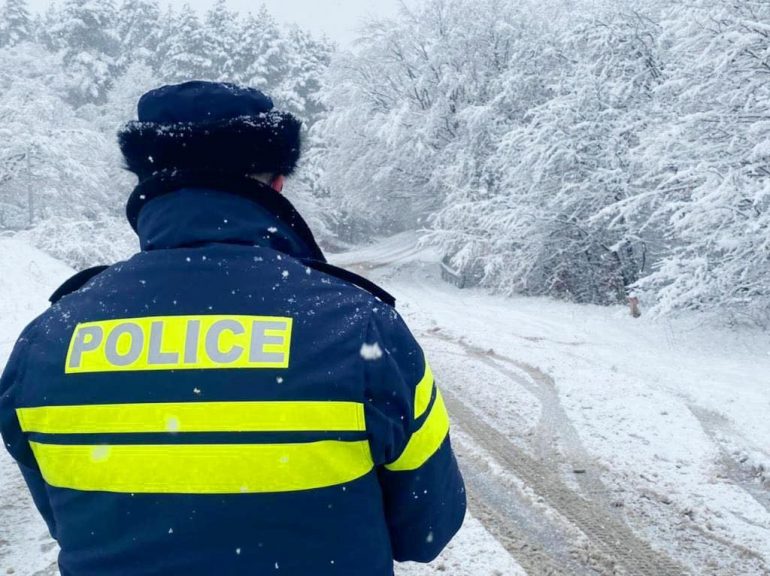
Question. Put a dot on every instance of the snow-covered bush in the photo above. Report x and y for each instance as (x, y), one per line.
(84, 243)
(572, 148)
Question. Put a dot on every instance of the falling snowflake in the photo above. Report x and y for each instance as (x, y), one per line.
(371, 351)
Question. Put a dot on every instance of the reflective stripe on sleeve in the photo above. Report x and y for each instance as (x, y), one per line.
(423, 393)
(203, 469)
(195, 417)
(426, 441)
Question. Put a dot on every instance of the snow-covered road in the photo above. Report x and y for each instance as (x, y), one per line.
(591, 443)
(594, 443)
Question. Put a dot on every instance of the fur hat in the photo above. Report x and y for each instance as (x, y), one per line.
(212, 127)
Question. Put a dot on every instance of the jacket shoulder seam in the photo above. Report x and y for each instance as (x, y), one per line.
(76, 282)
(352, 279)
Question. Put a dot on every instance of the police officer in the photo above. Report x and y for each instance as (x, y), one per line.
(225, 401)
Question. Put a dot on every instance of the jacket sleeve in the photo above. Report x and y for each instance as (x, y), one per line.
(423, 491)
(14, 439)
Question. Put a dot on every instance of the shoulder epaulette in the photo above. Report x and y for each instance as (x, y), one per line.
(355, 279)
(76, 283)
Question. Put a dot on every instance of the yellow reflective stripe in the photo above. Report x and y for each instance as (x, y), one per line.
(423, 393)
(195, 417)
(426, 441)
(203, 469)
(180, 343)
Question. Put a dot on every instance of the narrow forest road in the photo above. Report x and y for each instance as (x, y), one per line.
(556, 506)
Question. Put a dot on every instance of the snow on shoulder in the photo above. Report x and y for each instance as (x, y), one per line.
(371, 351)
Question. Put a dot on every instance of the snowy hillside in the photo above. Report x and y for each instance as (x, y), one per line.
(27, 278)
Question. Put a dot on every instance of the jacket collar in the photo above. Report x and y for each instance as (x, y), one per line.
(185, 209)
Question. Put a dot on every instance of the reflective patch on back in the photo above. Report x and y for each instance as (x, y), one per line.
(203, 468)
(180, 343)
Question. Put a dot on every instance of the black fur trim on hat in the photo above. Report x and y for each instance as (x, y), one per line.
(264, 143)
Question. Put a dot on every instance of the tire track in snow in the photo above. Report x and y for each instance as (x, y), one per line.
(613, 548)
(542, 543)
(628, 554)
(718, 428)
(713, 425)
(556, 440)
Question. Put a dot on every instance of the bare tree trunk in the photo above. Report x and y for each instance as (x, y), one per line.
(633, 305)
(30, 194)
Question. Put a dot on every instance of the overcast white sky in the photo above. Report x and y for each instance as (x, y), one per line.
(337, 18)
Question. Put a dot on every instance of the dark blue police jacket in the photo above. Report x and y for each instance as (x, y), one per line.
(224, 402)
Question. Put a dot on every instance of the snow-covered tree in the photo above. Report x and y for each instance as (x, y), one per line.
(183, 52)
(87, 33)
(567, 162)
(52, 164)
(15, 23)
(221, 33)
(417, 109)
(139, 31)
(307, 60)
(262, 55)
(706, 159)
(46, 28)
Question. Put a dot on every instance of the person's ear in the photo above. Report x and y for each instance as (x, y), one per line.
(278, 183)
